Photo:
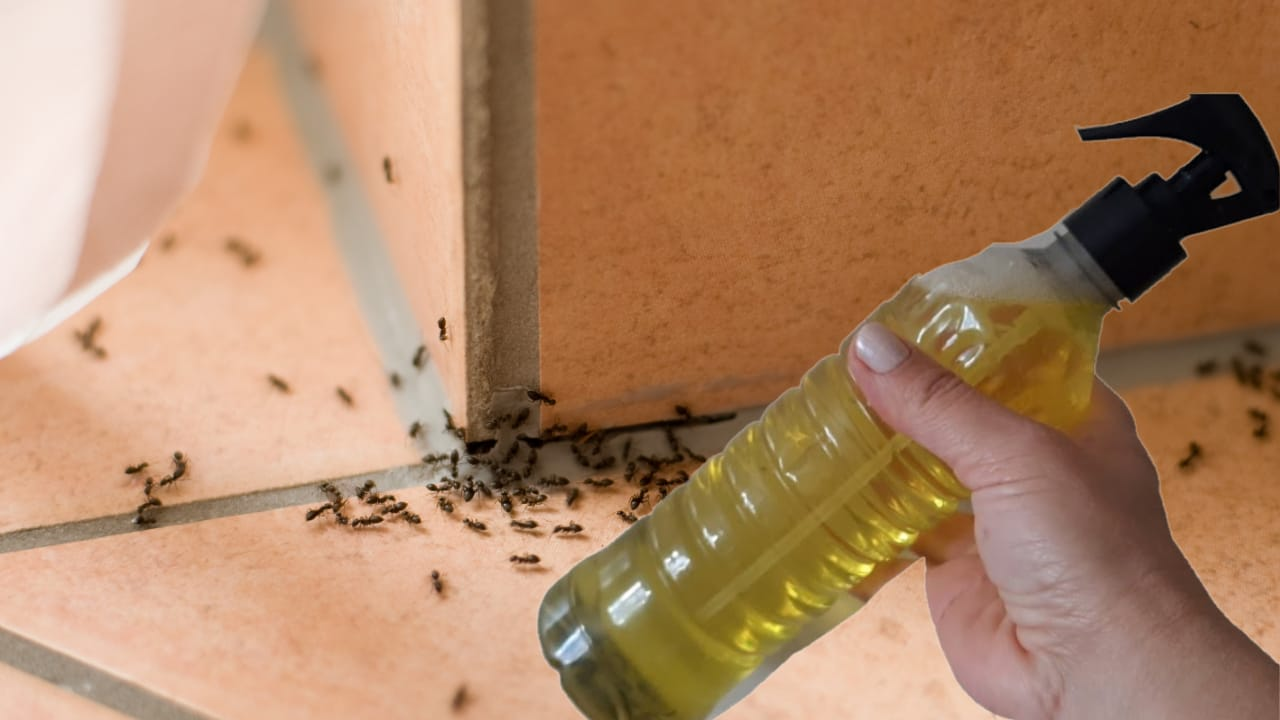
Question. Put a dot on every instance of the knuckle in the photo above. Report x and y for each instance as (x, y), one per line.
(941, 391)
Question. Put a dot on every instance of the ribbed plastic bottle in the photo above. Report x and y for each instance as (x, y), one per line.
(819, 498)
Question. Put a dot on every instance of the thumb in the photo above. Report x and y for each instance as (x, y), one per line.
(977, 437)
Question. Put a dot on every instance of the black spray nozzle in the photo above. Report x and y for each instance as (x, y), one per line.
(1135, 233)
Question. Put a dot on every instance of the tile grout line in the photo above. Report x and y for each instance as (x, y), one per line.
(387, 313)
(1123, 369)
(89, 681)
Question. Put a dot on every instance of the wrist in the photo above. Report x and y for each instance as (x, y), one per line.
(1172, 654)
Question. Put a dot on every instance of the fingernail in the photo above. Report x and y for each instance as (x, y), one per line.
(879, 348)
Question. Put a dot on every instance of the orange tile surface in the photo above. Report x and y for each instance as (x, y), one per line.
(267, 616)
(391, 71)
(731, 186)
(191, 337)
(30, 698)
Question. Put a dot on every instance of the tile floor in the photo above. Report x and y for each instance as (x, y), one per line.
(252, 612)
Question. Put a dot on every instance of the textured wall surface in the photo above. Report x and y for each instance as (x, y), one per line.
(727, 188)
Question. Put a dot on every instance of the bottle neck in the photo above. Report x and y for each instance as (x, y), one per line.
(1066, 250)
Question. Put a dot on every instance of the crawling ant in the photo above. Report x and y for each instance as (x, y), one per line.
(179, 469)
(135, 469)
(483, 488)
(638, 499)
(345, 397)
(434, 458)
(540, 397)
(572, 497)
(524, 524)
(554, 481)
(1193, 453)
(444, 331)
(533, 500)
(572, 528)
(278, 383)
(598, 482)
(626, 450)
(453, 464)
(672, 441)
(415, 429)
(474, 524)
(629, 517)
(366, 520)
(1207, 368)
(505, 501)
(394, 379)
(365, 489)
(314, 513)
(1255, 348)
(394, 508)
(248, 256)
(526, 559)
(436, 582)
(452, 428)
(460, 698)
(444, 504)
(88, 338)
(468, 492)
(412, 518)
(387, 170)
(419, 357)
(683, 412)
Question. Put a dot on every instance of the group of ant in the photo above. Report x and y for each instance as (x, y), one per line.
(1250, 372)
(144, 514)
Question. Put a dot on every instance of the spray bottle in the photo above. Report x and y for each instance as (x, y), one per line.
(819, 498)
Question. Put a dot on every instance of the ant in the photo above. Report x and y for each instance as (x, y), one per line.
(626, 450)
(444, 331)
(540, 397)
(366, 520)
(345, 397)
(460, 433)
(526, 559)
(505, 501)
(1193, 452)
(638, 499)
(474, 524)
(314, 513)
(524, 524)
(135, 469)
(1206, 368)
(248, 256)
(1255, 348)
(572, 497)
(394, 379)
(444, 504)
(629, 517)
(572, 528)
(412, 518)
(532, 500)
(598, 482)
(419, 357)
(387, 170)
(179, 469)
(278, 383)
(415, 429)
(460, 698)
(436, 583)
(88, 338)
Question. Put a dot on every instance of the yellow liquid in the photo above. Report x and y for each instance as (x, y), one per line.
(799, 509)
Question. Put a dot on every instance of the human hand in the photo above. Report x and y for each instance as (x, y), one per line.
(1071, 600)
